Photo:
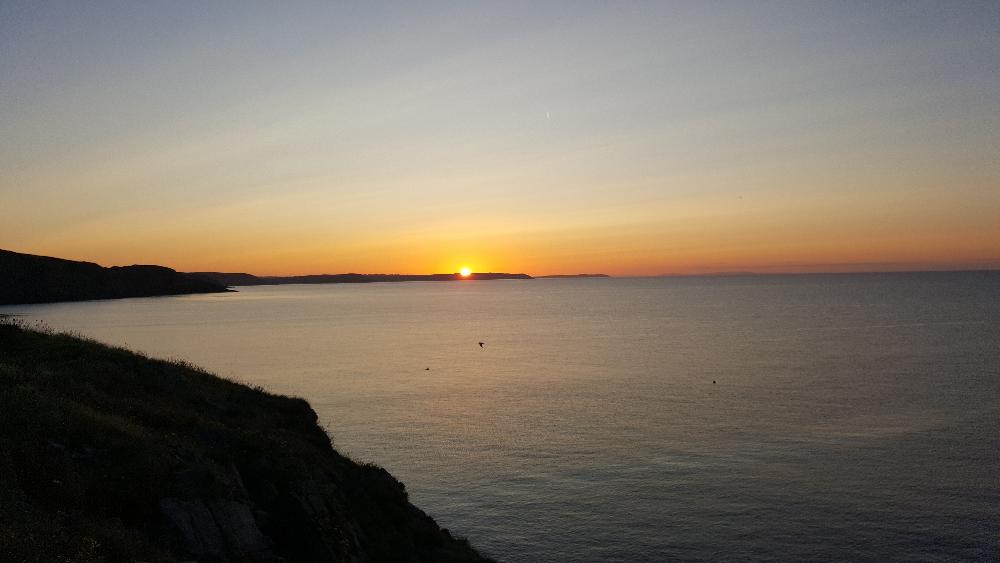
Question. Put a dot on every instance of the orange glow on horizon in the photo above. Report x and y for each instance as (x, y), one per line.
(702, 237)
(796, 161)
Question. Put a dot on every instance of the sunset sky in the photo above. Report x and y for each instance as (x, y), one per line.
(541, 137)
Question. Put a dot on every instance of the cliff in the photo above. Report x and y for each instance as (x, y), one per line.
(26, 278)
(106, 455)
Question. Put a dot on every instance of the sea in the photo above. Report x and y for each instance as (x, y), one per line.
(851, 417)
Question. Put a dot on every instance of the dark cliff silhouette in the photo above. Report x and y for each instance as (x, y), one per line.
(234, 279)
(106, 455)
(26, 278)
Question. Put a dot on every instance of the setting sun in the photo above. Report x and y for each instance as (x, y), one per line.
(465, 271)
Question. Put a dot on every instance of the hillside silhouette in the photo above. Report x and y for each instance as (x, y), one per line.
(27, 278)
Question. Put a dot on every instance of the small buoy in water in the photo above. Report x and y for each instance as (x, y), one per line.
(427, 369)
(713, 382)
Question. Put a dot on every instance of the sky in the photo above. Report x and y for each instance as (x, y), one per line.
(628, 138)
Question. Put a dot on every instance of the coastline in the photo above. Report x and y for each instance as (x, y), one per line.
(30, 279)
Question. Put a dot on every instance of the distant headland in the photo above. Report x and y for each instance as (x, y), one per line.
(562, 276)
(27, 278)
(237, 279)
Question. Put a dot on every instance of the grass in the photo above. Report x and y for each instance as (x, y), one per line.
(94, 438)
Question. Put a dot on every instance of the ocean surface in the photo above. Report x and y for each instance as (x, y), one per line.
(845, 417)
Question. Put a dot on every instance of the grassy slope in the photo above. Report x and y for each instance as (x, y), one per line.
(93, 439)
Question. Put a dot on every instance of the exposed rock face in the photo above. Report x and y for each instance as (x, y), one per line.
(200, 535)
(230, 528)
(109, 456)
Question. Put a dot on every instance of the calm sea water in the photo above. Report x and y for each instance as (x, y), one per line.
(851, 417)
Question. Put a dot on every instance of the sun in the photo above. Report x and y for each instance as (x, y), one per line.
(465, 271)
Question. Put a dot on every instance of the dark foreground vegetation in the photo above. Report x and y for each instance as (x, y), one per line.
(106, 455)
(250, 279)
(26, 278)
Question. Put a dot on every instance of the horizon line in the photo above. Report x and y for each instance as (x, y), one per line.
(719, 274)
